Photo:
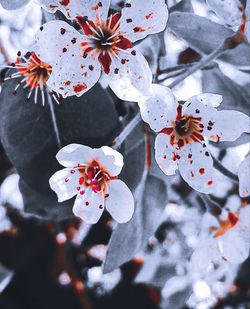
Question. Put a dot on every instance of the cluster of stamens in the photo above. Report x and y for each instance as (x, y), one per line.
(186, 129)
(32, 73)
(92, 176)
(106, 41)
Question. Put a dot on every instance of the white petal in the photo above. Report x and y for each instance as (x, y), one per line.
(130, 73)
(166, 155)
(207, 99)
(64, 184)
(244, 177)
(13, 4)
(110, 159)
(91, 8)
(120, 202)
(159, 109)
(89, 206)
(226, 125)
(54, 38)
(140, 18)
(74, 154)
(233, 247)
(196, 167)
(227, 10)
(74, 75)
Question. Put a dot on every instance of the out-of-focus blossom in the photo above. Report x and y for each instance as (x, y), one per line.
(185, 130)
(233, 14)
(10, 193)
(229, 11)
(230, 240)
(106, 45)
(91, 174)
(18, 29)
(244, 177)
(33, 74)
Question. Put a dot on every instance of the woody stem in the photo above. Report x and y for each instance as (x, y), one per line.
(221, 168)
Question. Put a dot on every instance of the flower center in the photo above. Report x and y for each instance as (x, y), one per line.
(93, 176)
(186, 129)
(105, 40)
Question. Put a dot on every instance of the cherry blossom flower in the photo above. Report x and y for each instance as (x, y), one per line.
(184, 131)
(244, 177)
(91, 174)
(105, 45)
(233, 14)
(229, 241)
(33, 73)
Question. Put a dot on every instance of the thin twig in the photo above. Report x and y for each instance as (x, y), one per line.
(127, 131)
(53, 117)
(212, 207)
(203, 62)
(221, 168)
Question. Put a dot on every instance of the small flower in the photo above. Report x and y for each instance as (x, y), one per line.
(106, 45)
(33, 74)
(185, 130)
(230, 240)
(244, 177)
(91, 174)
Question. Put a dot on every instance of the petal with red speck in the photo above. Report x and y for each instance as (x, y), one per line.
(159, 109)
(89, 206)
(110, 159)
(54, 38)
(120, 202)
(74, 154)
(244, 177)
(93, 9)
(130, 75)
(65, 184)
(196, 167)
(141, 18)
(74, 74)
(225, 125)
(166, 155)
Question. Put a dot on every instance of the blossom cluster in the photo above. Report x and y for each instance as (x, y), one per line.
(67, 62)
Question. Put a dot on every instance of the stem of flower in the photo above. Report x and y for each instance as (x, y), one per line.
(212, 207)
(221, 168)
(203, 62)
(126, 131)
(53, 117)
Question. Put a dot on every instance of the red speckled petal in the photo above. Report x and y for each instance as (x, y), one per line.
(89, 206)
(196, 167)
(120, 202)
(110, 159)
(130, 73)
(54, 39)
(140, 18)
(225, 125)
(64, 184)
(73, 74)
(159, 109)
(74, 154)
(166, 155)
(93, 9)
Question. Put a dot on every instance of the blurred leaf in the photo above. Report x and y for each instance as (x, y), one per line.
(129, 238)
(205, 36)
(234, 95)
(29, 139)
(182, 6)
